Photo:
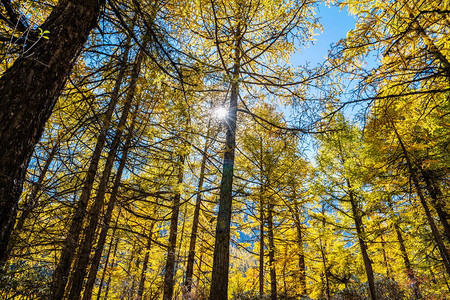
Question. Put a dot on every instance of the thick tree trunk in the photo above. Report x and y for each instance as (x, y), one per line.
(29, 205)
(437, 236)
(80, 268)
(196, 217)
(29, 90)
(169, 275)
(107, 218)
(145, 263)
(362, 244)
(221, 260)
(71, 242)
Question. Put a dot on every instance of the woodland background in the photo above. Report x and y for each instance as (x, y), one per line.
(122, 191)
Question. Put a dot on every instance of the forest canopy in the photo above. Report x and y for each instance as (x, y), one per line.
(186, 150)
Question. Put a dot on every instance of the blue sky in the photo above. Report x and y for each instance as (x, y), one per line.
(336, 23)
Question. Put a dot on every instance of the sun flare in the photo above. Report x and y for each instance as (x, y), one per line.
(220, 113)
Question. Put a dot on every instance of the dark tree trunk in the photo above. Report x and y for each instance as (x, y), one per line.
(437, 236)
(261, 248)
(29, 205)
(301, 255)
(81, 267)
(71, 242)
(221, 260)
(196, 217)
(29, 90)
(270, 234)
(169, 275)
(362, 244)
(145, 263)
(107, 218)
(436, 194)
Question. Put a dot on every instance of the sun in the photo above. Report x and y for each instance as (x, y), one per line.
(220, 113)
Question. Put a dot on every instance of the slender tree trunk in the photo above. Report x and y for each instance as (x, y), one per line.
(29, 90)
(409, 270)
(145, 263)
(81, 267)
(107, 218)
(301, 256)
(261, 249)
(362, 244)
(100, 286)
(435, 194)
(270, 234)
(385, 258)
(221, 260)
(169, 275)
(61, 273)
(108, 283)
(196, 217)
(434, 230)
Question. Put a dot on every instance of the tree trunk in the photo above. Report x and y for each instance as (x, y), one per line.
(29, 90)
(434, 230)
(81, 267)
(196, 217)
(435, 194)
(221, 260)
(169, 275)
(273, 274)
(261, 249)
(145, 263)
(360, 233)
(109, 273)
(408, 267)
(71, 242)
(301, 256)
(29, 204)
(107, 218)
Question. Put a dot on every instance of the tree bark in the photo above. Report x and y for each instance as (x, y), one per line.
(169, 275)
(221, 260)
(61, 273)
(89, 232)
(29, 90)
(29, 204)
(261, 249)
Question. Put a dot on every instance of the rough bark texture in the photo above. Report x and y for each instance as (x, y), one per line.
(362, 244)
(29, 204)
(219, 281)
(29, 90)
(89, 233)
(169, 282)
